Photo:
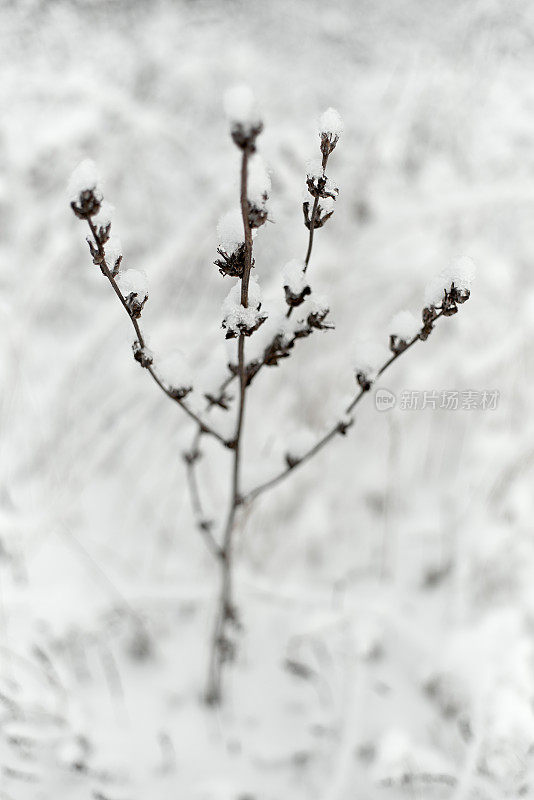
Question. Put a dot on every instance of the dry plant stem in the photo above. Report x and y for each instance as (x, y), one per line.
(311, 232)
(312, 220)
(339, 427)
(107, 272)
(226, 613)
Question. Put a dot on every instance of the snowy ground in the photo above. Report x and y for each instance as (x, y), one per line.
(386, 590)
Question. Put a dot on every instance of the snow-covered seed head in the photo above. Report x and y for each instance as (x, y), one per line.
(175, 371)
(462, 272)
(134, 288)
(402, 329)
(231, 244)
(142, 355)
(450, 288)
(84, 190)
(296, 287)
(317, 309)
(330, 129)
(319, 185)
(240, 320)
(242, 112)
(230, 233)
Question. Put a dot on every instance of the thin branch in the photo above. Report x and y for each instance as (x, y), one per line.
(203, 524)
(140, 338)
(313, 217)
(310, 239)
(340, 427)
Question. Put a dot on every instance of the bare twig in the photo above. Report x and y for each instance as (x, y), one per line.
(238, 263)
(313, 218)
(221, 646)
(140, 338)
(203, 524)
(339, 428)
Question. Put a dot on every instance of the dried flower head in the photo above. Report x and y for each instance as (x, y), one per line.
(84, 190)
(330, 129)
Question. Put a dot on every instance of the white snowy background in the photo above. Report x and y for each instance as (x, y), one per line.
(386, 589)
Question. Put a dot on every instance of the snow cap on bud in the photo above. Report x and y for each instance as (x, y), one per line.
(296, 287)
(293, 276)
(133, 281)
(369, 357)
(84, 190)
(238, 319)
(85, 178)
(330, 123)
(330, 129)
(240, 106)
(402, 329)
(133, 284)
(175, 371)
(460, 273)
(243, 115)
(462, 270)
(230, 233)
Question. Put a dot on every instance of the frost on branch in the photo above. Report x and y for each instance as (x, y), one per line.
(444, 293)
(330, 129)
(295, 285)
(84, 190)
(369, 357)
(402, 329)
(243, 115)
(236, 318)
(231, 247)
(134, 288)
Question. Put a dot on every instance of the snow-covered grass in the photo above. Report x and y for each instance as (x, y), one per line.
(386, 592)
